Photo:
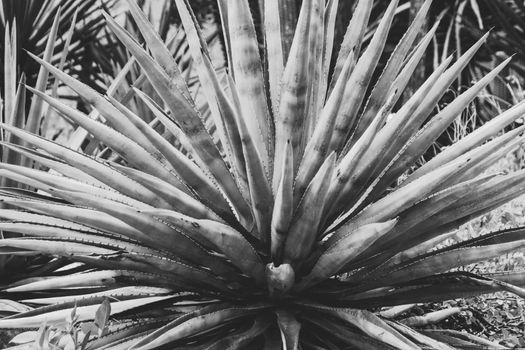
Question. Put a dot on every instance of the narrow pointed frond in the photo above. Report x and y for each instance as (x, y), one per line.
(247, 68)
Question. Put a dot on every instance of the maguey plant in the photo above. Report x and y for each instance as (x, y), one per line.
(293, 224)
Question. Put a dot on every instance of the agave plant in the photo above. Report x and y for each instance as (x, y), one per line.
(294, 227)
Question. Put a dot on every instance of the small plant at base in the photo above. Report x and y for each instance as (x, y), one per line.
(69, 334)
